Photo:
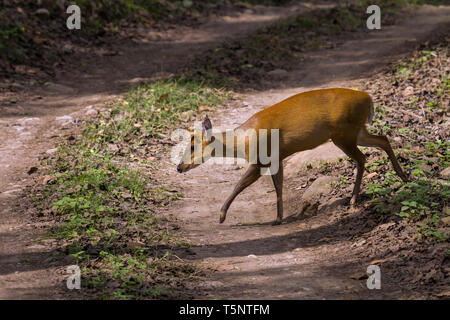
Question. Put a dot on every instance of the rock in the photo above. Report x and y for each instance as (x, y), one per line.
(51, 151)
(408, 91)
(359, 276)
(134, 244)
(252, 256)
(48, 179)
(319, 187)
(113, 148)
(278, 73)
(445, 173)
(91, 111)
(332, 204)
(359, 243)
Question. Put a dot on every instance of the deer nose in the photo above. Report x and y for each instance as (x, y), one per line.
(179, 169)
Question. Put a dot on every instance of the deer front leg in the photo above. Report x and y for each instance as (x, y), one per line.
(252, 174)
(278, 183)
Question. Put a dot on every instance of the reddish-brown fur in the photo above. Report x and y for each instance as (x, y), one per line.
(307, 120)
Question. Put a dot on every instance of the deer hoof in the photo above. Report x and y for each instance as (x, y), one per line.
(276, 223)
(223, 215)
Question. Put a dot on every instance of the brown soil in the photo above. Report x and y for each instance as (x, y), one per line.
(40, 116)
(312, 257)
(254, 259)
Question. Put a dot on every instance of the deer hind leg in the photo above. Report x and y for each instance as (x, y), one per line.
(251, 175)
(348, 145)
(367, 140)
(278, 183)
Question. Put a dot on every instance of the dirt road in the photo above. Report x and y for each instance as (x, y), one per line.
(297, 260)
(33, 125)
(256, 260)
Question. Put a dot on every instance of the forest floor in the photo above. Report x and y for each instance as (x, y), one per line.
(323, 255)
(34, 118)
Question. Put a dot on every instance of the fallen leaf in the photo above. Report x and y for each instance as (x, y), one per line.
(205, 108)
(446, 221)
(371, 175)
(127, 195)
(133, 244)
(225, 267)
(443, 294)
(209, 266)
(378, 261)
(359, 276)
(163, 97)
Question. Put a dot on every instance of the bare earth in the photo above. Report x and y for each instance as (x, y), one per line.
(255, 260)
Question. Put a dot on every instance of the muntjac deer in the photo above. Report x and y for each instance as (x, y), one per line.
(304, 121)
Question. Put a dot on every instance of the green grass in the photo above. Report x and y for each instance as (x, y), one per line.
(151, 110)
(105, 200)
(422, 200)
(276, 46)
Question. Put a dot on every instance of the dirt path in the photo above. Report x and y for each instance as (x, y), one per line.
(33, 126)
(256, 260)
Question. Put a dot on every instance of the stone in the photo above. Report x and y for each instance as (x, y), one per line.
(278, 73)
(59, 88)
(320, 186)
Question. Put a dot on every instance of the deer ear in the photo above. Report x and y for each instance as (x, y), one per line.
(206, 128)
(207, 125)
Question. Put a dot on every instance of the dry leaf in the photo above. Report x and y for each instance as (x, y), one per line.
(359, 276)
(163, 97)
(205, 108)
(371, 175)
(378, 261)
(443, 294)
